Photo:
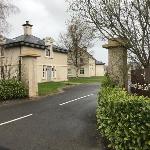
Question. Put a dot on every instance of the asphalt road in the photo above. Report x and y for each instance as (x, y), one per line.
(60, 122)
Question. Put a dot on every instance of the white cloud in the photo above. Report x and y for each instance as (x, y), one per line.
(48, 18)
(44, 21)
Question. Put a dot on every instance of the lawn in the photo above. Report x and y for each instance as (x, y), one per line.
(86, 80)
(48, 88)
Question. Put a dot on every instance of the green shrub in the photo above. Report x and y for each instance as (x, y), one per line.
(12, 89)
(124, 119)
(107, 82)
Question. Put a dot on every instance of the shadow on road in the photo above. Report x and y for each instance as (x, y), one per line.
(3, 148)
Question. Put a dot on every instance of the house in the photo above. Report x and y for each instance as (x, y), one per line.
(100, 68)
(80, 63)
(84, 64)
(52, 63)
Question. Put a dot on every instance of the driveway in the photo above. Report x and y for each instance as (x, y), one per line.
(60, 122)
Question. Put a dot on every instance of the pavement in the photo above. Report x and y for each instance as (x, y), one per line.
(65, 121)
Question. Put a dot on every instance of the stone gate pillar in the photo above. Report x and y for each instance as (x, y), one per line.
(29, 73)
(117, 61)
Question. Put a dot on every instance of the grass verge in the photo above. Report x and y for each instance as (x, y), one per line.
(48, 88)
(86, 80)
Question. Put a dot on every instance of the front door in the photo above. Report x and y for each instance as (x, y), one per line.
(49, 73)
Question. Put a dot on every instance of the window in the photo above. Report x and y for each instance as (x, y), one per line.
(82, 71)
(47, 53)
(44, 72)
(81, 60)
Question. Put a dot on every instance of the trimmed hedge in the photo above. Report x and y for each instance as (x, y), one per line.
(12, 89)
(107, 82)
(124, 119)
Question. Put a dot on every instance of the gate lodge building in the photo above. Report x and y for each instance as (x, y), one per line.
(52, 60)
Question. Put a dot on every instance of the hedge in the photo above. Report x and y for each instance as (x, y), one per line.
(124, 119)
(12, 89)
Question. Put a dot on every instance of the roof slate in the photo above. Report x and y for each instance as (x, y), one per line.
(99, 63)
(33, 40)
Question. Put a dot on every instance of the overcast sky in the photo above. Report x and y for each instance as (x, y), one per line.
(48, 19)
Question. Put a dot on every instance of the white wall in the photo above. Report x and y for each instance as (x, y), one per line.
(100, 70)
(59, 61)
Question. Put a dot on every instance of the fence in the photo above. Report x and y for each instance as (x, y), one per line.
(140, 82)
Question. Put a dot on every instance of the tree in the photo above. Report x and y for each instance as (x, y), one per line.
(9, 70)
(6, 8)
(124, 19)
(77, 39)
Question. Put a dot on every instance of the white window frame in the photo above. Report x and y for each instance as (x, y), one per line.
(82, 69)
(50, 49)
(54, 72)
(44, 70)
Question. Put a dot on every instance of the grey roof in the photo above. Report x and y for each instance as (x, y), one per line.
(59, 49)
(26, 38)
(33, 40)
(99, 63)
(8, 40)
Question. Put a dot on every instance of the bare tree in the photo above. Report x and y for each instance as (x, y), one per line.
(6, 9)
(9, 69)
(126, 19)
(78, 38)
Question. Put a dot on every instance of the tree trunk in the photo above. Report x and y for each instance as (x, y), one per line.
(77, 75)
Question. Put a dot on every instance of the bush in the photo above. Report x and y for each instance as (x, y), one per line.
(12, 89)
(107, 82)
(124, 119)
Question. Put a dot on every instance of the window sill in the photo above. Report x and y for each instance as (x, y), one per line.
(43, 78)
(49, 57)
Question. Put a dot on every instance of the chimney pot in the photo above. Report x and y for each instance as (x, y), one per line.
(27, 28)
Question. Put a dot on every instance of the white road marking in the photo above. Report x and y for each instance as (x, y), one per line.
(15, 119)
(75, 99)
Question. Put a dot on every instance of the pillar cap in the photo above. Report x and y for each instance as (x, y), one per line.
(116, 42)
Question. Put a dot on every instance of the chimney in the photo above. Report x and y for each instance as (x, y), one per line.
(27, 28)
